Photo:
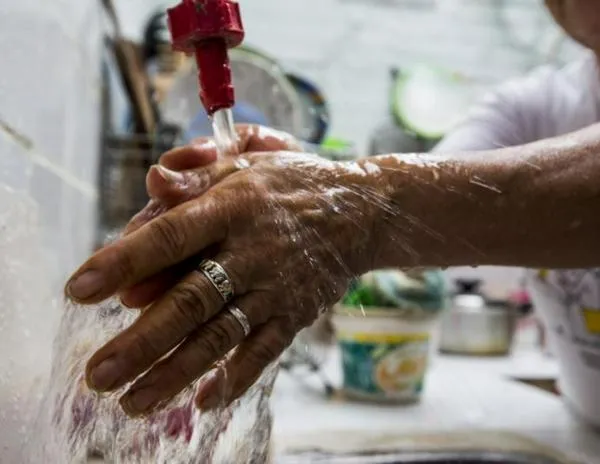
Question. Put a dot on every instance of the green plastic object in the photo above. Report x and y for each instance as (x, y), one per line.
(334, 144)
(430, 101)
(336, 149)
(394, 289)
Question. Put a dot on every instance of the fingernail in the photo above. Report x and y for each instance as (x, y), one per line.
(211, 392)
(204, 144)
(172, 177)
(209, 403)
(86, 285)
(139, 402)
(105, 375)
(125, 305)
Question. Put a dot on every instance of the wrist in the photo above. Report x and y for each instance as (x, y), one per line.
(437, 211)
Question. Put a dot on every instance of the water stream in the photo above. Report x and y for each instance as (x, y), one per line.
(75, 425)
(83, 424)
(224, 132)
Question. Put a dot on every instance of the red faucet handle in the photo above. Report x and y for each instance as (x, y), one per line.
(195, 21)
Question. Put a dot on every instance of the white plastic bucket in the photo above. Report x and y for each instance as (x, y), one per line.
(384, 356)
(568, 303)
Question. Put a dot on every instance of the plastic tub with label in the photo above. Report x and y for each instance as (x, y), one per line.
(385, 356)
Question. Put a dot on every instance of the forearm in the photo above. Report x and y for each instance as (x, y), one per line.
(536, 205)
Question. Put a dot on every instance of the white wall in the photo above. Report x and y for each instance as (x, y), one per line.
(49, 129)
(49, 117)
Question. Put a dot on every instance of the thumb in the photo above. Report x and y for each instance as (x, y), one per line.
(167, 186)
(172, 188)
(201, 153)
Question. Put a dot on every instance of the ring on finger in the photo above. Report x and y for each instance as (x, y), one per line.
(239, 316)
(219, 278)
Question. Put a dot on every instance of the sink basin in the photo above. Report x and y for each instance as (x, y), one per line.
(467, 457)
(467, 447)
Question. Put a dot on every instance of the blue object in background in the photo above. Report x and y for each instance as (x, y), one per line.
(315, 106)
(243, 113)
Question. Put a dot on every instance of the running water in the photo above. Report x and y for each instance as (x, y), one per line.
(83, 424)
(78, 425)
(224, 131)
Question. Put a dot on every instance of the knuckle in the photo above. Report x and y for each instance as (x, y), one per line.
(185, 370)
(143, 351)
(125, 265)
(169, 236)
(263, 353)
(216, 339)
(191, 303)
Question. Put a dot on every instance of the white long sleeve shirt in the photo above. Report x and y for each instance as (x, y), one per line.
(547, 103)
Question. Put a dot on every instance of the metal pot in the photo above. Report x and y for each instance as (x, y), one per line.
(474, 325)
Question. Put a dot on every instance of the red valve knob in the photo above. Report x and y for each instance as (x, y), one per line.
(207, 28)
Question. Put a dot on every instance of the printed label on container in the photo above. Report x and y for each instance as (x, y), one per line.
(389, 366)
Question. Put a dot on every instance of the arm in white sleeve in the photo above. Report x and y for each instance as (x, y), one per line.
(513, 115)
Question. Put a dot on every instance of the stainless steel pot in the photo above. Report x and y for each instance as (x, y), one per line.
(474, 325)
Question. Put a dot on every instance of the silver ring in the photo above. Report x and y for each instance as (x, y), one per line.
(219, 278)
(239, 316)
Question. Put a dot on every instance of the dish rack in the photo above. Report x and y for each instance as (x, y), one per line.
(125, 162)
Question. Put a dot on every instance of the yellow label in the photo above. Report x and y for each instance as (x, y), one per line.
(592, 320)
(382, 337)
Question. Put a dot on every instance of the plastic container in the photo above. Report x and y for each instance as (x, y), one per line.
(385, 356)
(567, 302)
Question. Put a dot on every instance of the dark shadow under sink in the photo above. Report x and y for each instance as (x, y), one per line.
(466, 457)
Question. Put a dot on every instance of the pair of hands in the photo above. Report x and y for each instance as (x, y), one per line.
(289, 228)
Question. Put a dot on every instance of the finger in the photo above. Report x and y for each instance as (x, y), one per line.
(178, 159)
(160, 328)
(173, 188)
(151, 211)
(153, 288)
(246, 364)
(165, 241)
(168, 189)
(193, 358)
(150, 290)
(261, 138)
(199, 154)
(203, 151)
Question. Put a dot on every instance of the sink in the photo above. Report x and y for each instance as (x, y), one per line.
(466, 447)
(466, 457)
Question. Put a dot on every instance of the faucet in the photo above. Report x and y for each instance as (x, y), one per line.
(206, 29)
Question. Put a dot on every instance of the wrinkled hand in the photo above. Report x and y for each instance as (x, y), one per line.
(169, 185)
(290, 230)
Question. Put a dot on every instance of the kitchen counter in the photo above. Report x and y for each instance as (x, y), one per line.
(461, 394)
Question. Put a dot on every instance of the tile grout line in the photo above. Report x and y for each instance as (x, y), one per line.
(37, 158)
(64, 175)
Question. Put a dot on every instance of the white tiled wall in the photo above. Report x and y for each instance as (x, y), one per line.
(49, 117)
